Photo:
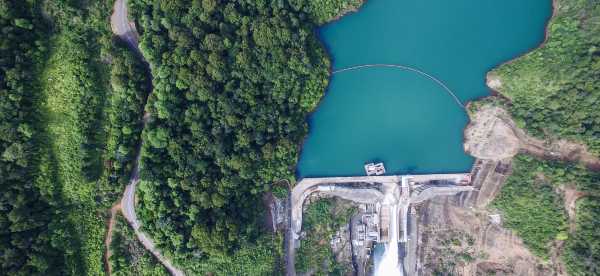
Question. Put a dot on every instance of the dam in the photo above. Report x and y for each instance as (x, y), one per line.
(390, 196)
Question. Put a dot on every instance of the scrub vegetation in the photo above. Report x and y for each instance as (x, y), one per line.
(554, 90)
(320, 222)
(74, 86)
(454, 250)
(582, 250)
(129, 257)
(52, 93)
(533, 208)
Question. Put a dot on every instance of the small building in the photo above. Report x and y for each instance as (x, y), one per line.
(465, 180)
(375, 169)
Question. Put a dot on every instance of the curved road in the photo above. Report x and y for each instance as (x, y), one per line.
(126, 31)
(406, 68)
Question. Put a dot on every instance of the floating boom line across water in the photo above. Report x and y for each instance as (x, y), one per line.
(407, 68)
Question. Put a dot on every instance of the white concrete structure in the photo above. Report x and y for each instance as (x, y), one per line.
(375, 169)
(395, 192)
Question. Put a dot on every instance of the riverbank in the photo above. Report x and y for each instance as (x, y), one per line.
(375, 110)
(493, 81)
(493, 135)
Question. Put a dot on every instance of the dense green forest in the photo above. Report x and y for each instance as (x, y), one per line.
(554, 90)
(320, 221)
(26, 211)
(233, 83)
(131, 85)
(55, 115)
(74, 88)
(129, 257)
(532, 206)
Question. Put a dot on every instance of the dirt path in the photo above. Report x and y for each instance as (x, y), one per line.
(571, 195)
(108, 240)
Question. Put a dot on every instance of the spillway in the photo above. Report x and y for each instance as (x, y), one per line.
(389, 264)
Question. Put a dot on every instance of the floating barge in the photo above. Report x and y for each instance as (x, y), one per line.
(374, 169)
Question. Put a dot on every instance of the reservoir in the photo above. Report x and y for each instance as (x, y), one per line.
(401, 117)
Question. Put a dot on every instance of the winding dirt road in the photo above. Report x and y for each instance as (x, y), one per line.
(126, 31)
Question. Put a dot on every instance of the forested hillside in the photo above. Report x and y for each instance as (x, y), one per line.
(554, 90)
(233, 83)
(25, 210)
(59, 129)
(533, 207)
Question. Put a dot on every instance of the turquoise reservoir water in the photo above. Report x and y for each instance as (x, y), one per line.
(401, 117)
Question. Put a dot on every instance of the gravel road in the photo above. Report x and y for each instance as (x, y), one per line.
(126, 31)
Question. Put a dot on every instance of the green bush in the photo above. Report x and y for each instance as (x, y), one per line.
(582, 250)
(129, 257)
(554, 89)
(530, 206)
(320, 222)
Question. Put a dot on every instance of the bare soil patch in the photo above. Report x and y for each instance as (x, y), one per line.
(493, 135)
(490, 137)
(490, 249)
(571, 195)
(108, 240)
